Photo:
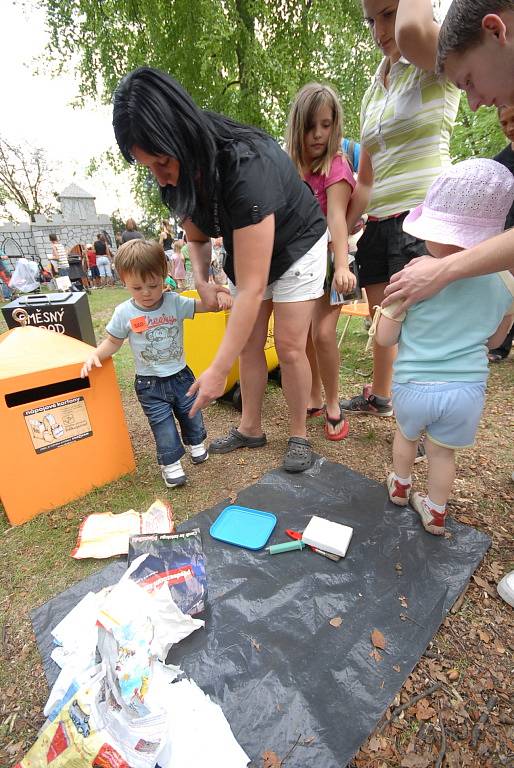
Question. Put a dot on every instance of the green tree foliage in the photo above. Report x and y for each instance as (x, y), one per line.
(244, 58)
(476, 134)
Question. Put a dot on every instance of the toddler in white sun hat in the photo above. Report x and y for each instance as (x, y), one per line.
(441, 369)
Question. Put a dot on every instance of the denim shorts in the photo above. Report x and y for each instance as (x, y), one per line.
(303, 281)
(104, 266)
(385, 249)
(164, 399)
(449, 413)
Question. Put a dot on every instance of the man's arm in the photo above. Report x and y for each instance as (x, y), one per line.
(426, 276)
(416, 33)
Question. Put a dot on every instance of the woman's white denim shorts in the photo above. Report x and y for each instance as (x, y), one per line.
(303, 281)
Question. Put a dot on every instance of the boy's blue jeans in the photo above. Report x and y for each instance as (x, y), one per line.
(163, 398)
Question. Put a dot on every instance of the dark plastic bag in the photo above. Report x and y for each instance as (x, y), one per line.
(176, 559)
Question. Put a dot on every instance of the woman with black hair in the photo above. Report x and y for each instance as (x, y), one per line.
(224, 179)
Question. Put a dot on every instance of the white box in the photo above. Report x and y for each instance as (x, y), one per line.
(327, 535)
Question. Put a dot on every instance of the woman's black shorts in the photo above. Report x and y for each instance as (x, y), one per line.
(384, 249)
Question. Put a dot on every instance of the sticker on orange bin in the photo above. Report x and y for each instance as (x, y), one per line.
(139, 324)
(51, 426)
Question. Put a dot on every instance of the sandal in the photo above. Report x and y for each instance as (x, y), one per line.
(313, 412)
(234, 440)
(342, 432)
(299, 456)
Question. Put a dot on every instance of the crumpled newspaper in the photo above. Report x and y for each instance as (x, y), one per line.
(104, 534)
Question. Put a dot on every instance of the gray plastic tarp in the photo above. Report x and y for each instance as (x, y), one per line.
(269, 655)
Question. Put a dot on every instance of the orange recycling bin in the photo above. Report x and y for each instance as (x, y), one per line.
(203, 335)
(62, 435)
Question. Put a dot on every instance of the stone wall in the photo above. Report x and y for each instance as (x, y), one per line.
(79, 223)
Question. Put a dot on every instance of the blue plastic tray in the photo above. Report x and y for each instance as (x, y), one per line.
(244, 527)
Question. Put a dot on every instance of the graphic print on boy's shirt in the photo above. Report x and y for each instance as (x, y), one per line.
(155, 336)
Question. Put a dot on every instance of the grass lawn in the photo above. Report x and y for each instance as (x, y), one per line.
(35, 563)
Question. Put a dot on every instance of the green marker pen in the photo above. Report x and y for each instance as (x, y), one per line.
(287, 546)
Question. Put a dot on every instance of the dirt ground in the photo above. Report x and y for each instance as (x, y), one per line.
(455, 709)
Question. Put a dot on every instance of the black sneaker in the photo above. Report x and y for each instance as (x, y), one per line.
(367, 403)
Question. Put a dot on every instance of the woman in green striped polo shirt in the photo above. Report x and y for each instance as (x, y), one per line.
(407, 116)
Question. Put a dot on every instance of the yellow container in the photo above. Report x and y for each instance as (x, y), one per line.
(62, 435)
(203, 335)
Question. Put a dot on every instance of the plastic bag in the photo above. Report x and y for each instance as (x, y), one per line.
(176, 560)
(24, 277)
(76, 737)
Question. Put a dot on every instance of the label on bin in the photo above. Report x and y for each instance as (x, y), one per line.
(56, 424)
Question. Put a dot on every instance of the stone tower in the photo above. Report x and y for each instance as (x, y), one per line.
(77, 204)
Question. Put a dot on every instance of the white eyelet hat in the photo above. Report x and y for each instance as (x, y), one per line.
(466, 204)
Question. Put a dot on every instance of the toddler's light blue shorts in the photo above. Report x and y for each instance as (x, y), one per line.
(449, 413)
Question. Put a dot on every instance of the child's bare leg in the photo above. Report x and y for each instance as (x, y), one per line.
(399, 482)
(404, 453)
(441, 471)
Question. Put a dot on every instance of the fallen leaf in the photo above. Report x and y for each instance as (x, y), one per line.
(484, 636)
(483, 583)
(255, 644)
(375, 744)
(271, 760)
(232, 497)
(453, 675)
(13, 749)
(307, 741)
(416, 761)
(336, 622)
(396, 667)
(398, 567)
(376, 655)
(403, 601)
(378, 639)
(424, 711)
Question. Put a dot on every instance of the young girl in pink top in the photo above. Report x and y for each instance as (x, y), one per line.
(314, 135)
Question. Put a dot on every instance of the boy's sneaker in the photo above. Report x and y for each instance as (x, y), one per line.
(506, 588)
(199, 453)
(432, 521)
(367, 402)
(398, 492)
(173, 474)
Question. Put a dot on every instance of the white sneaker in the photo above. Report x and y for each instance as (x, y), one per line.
(398, 492)
(199, 453)
(506, 588)
(432, 520)
(173, 474)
